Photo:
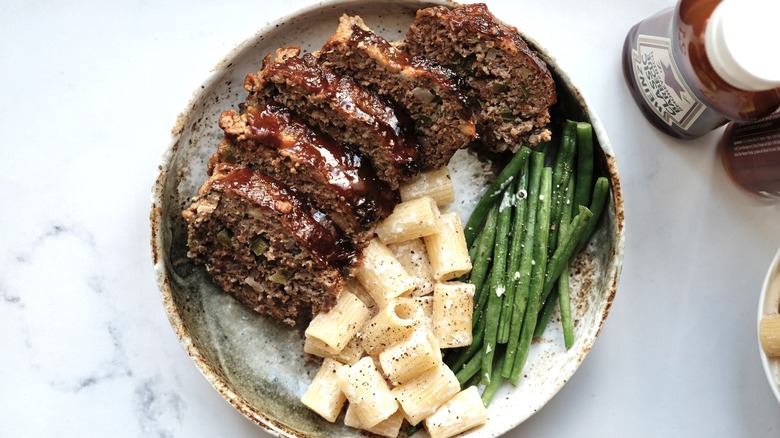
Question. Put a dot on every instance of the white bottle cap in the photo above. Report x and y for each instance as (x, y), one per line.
(742, 40)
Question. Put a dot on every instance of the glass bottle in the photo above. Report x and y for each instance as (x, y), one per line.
(694, 67)
(750, 153)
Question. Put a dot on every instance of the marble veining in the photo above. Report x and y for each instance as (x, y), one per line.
(69, 253)
(157, 408)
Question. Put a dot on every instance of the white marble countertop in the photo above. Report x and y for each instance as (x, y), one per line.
(88, 94)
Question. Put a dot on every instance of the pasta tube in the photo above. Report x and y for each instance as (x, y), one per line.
(410, 220)
(367, 392)
(459, 414)
(453, 304)
(434, 183)
(447, 250)
(324, 395)
(382, 275)
(336, 327)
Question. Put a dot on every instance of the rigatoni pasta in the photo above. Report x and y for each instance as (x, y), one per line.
(426, 304)
(381, 274)
(453, 304)
(324, 395)
(769, 333)
(460, 413)
(349, 355)
(392, 368)
(414, 258)
(388, 428)
(367, 392)
(422, 395)
(393, 323)
(436, 184)
(447, 250)
(354, 287)
(336, 327)
(411, 357)
(410, 220)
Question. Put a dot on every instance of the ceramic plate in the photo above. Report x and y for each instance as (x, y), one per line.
(769, 304)
(257, 364)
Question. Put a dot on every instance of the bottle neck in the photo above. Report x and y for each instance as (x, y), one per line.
(737, 36)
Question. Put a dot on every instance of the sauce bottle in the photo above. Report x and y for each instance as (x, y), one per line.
(697, 66)
(750, 153)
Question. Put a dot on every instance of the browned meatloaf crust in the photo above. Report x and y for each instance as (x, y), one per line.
(510, 83)
(262, 243)
(339, 106)
(431, 94)
(336, 180)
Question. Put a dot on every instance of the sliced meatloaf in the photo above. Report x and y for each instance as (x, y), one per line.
(336, 179)
(511, 85)
(432, 94)
(339, 106)
(262, 243)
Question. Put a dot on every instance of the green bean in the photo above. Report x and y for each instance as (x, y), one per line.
(584, 172)
(481, 263)
(473, 381)
(480, 300)
(475, 246)
(469, 369)
(519, 231)
(497, 283)
(564, 162)
(544, 314)
(490, 390)
(563, 280)
(493, 192)
(562, 290)
(566, 250)
(522, 281)
(473, 256)
(538, 269)
(564, 301)
(411, 430)
(600, 193)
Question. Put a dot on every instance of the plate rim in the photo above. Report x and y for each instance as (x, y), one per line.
(772, 276)
(612, 273)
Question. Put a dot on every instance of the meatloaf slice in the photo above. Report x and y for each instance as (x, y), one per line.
(263, 244)
(432, 94)
(511, 85)
(336, 180)
(339, 106)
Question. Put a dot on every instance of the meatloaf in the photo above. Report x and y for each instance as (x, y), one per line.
(432, 94)
(339, 106)
(336, 179)
(511, 85)
(262, 243)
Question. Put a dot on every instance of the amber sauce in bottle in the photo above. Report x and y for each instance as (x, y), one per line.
(750, 153)
(672, 80)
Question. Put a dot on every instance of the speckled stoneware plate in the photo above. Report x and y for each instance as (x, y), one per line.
(769, 304)
(257, 364)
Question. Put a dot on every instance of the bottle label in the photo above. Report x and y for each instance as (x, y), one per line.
(661, 84)
(753, 155)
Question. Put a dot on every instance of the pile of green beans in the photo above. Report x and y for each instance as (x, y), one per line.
(522, 237)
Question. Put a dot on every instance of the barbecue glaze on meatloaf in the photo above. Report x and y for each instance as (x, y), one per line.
(262, 243)
(511, 85)
(335, 103)
(337, 180)
(313, 159)
(432, 94)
